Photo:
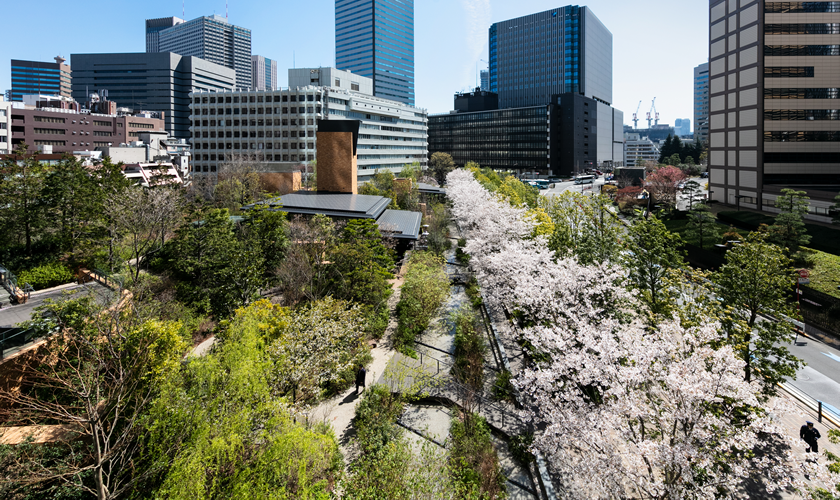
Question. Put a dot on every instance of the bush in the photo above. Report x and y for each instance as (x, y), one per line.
(473, 458)
(473, 291)
(375, 418)
(503, 388)
(377, 322)
(426, 287)
(46, 276)
(469, 349)
(520, 445)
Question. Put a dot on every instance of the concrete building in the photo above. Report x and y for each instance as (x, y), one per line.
(263, 73)
(701, 103)
(330, 77)
(774, 118)
(565, 50)
(480, 100)
(153, 29)
(485, 79)
(279, 127)
(375, 38)
(682, 127)
(5, 126)
(158, 82)
(565, 137)
(213, 39)
(636, 148)
(65, 130)
(34, 77)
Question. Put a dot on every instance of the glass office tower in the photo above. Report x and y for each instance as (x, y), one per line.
(565, 50)
(375, 38)
(35, 77)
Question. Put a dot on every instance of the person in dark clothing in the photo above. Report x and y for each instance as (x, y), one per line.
(810, 434)
(360, 378)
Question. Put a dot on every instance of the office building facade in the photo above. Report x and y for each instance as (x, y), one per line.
(485, 80)
(682, 127)
(330, 77)
(5, 126)
(534, 57)
(701, 103)
(215, 40)
(774, 119)
(153, 29)
(263, 73)
(280, 126)
(159, 82)
(375, 39)
(561, 138)
(34, 77)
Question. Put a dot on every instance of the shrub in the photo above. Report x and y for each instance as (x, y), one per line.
(469, 349)
(375, 418)
(502, 387)
(473, 459)
(520, 445)
(473, 291)
(46, 276)
(425, 288)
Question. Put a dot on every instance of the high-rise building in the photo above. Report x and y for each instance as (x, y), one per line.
(213, 39)
(158, 82)
(280, 126)
(34, 77)
(263, 73)
(565, 50)
(701, 103)
(375, 38)
(153, 29)
(774, 118)
(485, 79)
(682, 127)
(5, 126)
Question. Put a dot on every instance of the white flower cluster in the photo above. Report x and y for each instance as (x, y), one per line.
(625, 410)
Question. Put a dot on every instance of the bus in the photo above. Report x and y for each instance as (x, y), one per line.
(585, 179)
(538, 183)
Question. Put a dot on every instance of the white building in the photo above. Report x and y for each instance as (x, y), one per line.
(635, 148)
(5, 126)
(280, 126)
(264, 73)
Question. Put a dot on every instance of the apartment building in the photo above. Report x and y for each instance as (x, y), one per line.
(280, 126)
(774, 117)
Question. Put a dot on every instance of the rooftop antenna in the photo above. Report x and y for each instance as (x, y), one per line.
(184, 9)
(226, 9)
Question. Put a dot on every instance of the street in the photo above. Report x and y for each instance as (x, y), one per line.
(12, 315)
(820, 379)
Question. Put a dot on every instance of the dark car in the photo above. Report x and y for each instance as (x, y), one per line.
(704, 175)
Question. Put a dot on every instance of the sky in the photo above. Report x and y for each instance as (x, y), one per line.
(656, 44)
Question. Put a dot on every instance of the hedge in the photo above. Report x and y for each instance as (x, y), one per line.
(426, 287)
(46, 276)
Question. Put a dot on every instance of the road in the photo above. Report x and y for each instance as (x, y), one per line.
(820, 379)
(561, 187)
(12, 315)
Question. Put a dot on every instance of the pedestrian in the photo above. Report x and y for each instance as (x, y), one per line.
(810, 434)
(360, 378)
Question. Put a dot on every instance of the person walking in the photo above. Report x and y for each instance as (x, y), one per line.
(360, 378)
(810, 434)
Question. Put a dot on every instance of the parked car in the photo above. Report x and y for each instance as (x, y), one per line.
(704, 175)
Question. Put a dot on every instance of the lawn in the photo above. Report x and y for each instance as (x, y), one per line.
(825, 273)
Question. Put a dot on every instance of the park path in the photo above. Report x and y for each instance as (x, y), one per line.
(339, 410)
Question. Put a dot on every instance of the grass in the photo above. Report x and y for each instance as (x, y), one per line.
(680, 226)
(825, 272)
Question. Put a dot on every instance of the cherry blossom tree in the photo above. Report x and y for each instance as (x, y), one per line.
(663, 184)
(626, 407)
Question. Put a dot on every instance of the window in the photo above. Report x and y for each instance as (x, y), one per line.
(102, 133)
(50, 143)
(787, 7)
(818, 93)
(802, 29)
(50, 131)
(789, 72)
(801, 114)
(337, 82)
(101, 144)
(141, 125)
(354, 86)
(100, 123)
(802, 50)
(48, 119)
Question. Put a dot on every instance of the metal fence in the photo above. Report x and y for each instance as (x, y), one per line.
(820, 310)
(12, 339)
(824, 411)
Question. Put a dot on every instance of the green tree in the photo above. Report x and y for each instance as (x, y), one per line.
(675, 160)
(441, 164)
(584, 226)
(216, 271)
(267, 230)
(788, 230)
(362, 265)
(692, 187)
(756, 279)
(22, 212)
(652, 253)
(702, 225)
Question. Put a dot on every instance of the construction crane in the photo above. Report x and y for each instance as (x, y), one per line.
(636, 116)
(655, 113)
(651, 112)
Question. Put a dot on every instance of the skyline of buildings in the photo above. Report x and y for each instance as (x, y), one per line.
(375, 39)
(774, 121)
(211, 38)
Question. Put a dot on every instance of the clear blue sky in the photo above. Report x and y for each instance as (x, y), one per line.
(656, 44)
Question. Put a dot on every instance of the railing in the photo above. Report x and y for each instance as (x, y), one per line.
(9, 281)
(823, 410)
(11, 338)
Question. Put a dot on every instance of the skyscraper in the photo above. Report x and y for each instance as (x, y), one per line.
(565, 50)
(682, 127)
(485, 79)
(211, 38)
(774, 119)
(34, 77)
(153, 29)
(701, 103)
(263, 73)
(375, 38)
